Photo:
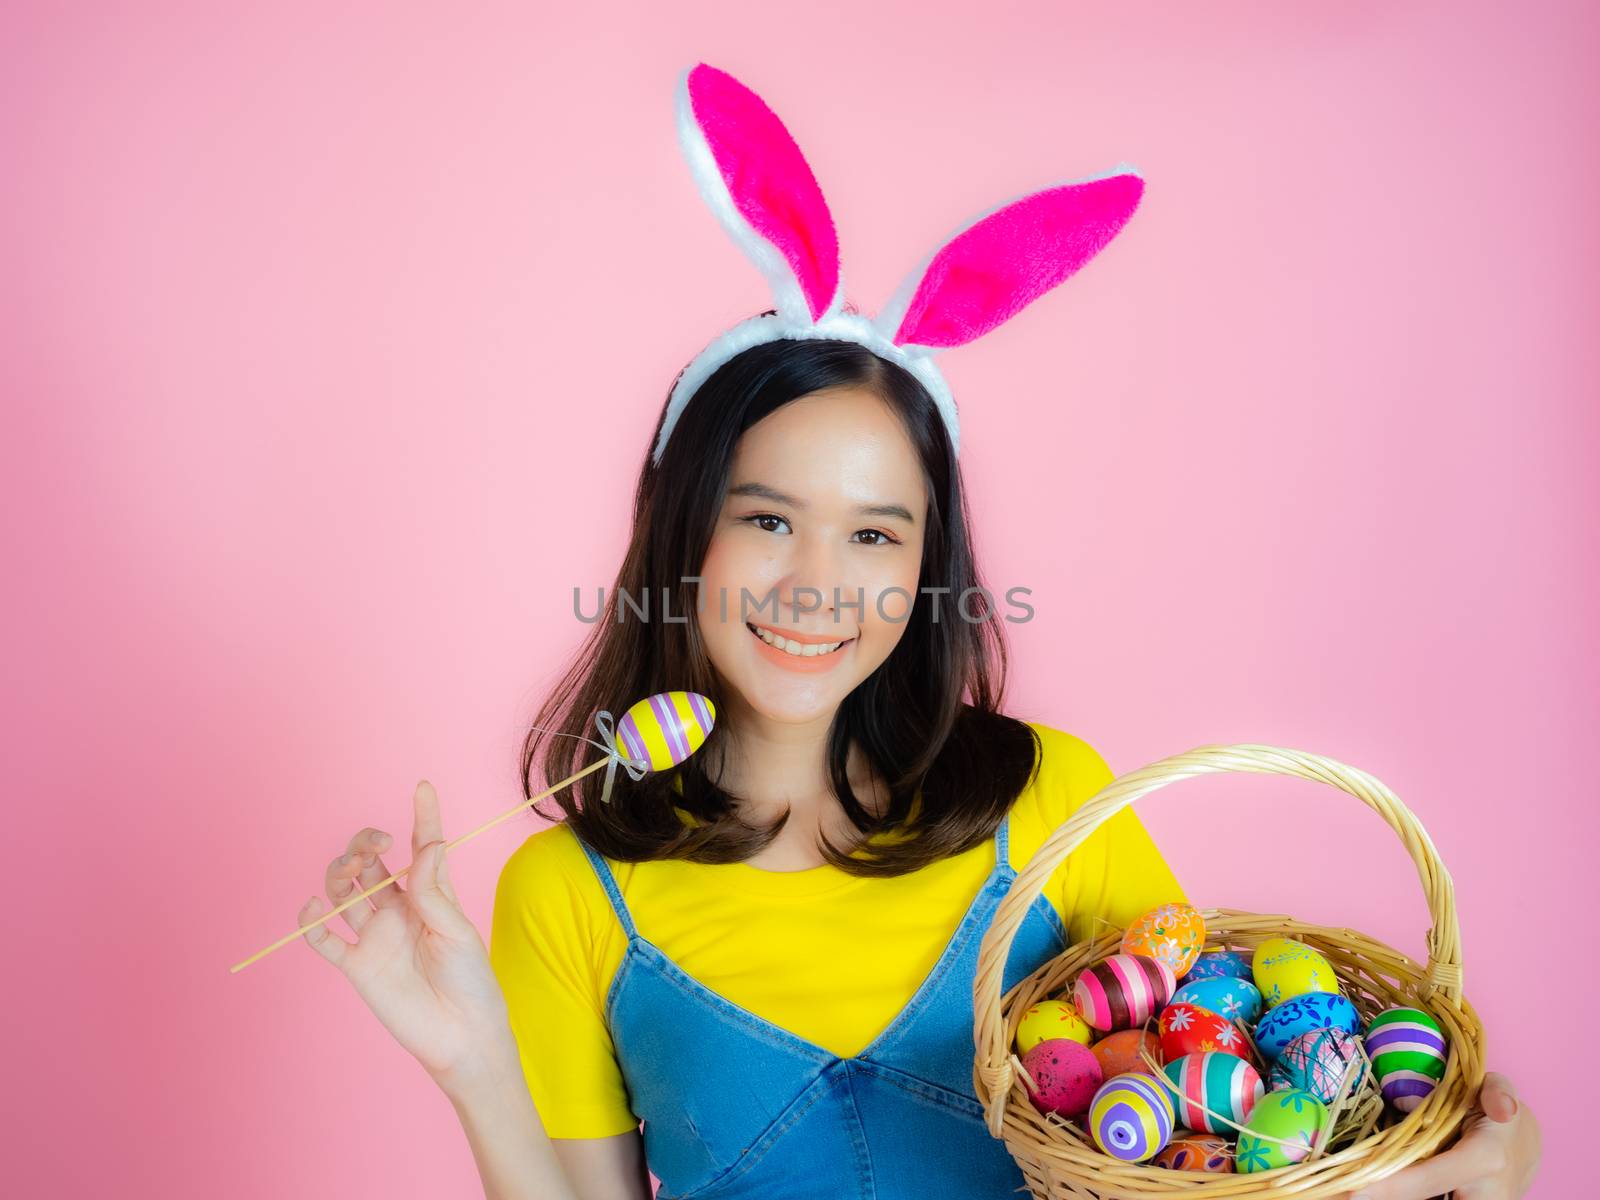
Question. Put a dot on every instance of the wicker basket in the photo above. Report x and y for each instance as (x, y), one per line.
(1056, 1157)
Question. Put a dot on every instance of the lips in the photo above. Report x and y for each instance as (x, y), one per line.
(810, 646)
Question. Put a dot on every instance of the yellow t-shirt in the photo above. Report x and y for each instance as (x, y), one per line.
(827, 955)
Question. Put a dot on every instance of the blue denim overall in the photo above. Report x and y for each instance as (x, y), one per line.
(734, 1105)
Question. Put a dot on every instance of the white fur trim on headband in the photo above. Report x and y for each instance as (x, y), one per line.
(845, 326)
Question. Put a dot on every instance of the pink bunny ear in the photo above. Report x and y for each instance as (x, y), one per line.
(1005, 260)
(753, 176)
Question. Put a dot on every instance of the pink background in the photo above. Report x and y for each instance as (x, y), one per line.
(331, 343)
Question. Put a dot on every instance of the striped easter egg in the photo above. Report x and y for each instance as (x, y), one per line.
(1131, 1117)
(666, 728)
(1224, 1083)
(1408, 1055)
(1316, 1061)
(1123, 991)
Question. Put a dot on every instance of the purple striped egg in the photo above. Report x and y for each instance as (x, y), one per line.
(666, 728)
(1408, 1055)
(1131, 1117)
(1124, 991)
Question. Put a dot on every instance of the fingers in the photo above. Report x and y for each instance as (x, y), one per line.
(1498, 1098)
(1478, 1156)
(429, 827)
(340, 884)
(437, 908)
(368, 844)
(426, 824)
(322, 939)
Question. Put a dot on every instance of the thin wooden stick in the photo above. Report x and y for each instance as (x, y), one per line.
(466, 837)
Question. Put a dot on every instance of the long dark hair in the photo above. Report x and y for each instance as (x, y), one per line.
(927, 719)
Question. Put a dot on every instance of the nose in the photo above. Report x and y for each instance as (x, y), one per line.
(814, 581)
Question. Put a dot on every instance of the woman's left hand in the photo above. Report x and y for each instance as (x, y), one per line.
(1495, 1159)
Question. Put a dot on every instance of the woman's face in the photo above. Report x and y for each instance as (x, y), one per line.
(822, 520)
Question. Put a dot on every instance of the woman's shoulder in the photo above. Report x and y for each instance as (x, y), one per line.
(1067, 766)
(549, 868)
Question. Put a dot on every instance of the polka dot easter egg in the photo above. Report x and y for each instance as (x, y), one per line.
(1188, 1029)
(1296, 1117)
(1316, 1062)
(1283, 967)
(1123, 991)
(1051, 1019)
(1119, 1052)
(1236, 999)
(1131, 1117)
(1300, 1014)
(1408, 1055)
(1173, 933)
(1223, 1083)
(1218, 964)
(667, 728)
(1197, 1152)
(1066, 1075)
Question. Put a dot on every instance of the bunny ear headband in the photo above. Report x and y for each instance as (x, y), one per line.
(754, 178)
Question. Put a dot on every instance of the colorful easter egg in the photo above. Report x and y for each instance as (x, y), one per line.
(1296, 1116)
(1131, 1117)
(1066, 1075)
(1190, 1151)
(1316, 1061)
(1051, 1019)
(1219, 964)
(1123, 991)
(1408, 1055)
(1174, 933)
(1236, 999)
(1119, 1052)
(1301, 1014)
(666, 728)
(1190, 1029)
(1282, 967)
(1223, 1083)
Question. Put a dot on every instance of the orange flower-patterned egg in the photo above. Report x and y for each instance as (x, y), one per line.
(1051, 1019)
(1174, 933)
(1190, 1029)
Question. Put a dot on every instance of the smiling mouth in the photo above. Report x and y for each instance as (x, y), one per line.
(796, 649)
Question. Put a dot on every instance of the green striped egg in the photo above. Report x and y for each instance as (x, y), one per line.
(1408, 1055)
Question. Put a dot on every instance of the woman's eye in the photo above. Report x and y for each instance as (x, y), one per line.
(884, 538)
(760, 517)
(760, 521)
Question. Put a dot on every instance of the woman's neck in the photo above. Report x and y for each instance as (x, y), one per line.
(771, 766)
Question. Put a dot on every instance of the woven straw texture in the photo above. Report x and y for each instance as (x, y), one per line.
(1367, 1143)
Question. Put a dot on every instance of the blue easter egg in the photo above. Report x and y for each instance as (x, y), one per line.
(1219, 964)
(1301, 1014)
(1236, 999)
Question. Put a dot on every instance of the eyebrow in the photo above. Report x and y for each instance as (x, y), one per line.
(777, 497)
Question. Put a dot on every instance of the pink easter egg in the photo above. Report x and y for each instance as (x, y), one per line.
(1066, 1074)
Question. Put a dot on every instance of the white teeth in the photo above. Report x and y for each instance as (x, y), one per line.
(798, 649)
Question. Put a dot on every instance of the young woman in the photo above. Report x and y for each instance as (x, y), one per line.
(766, 955)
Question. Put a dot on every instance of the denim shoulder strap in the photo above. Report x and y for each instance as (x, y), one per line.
(613, 892)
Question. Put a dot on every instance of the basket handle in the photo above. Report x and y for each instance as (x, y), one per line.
(989, 1032)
